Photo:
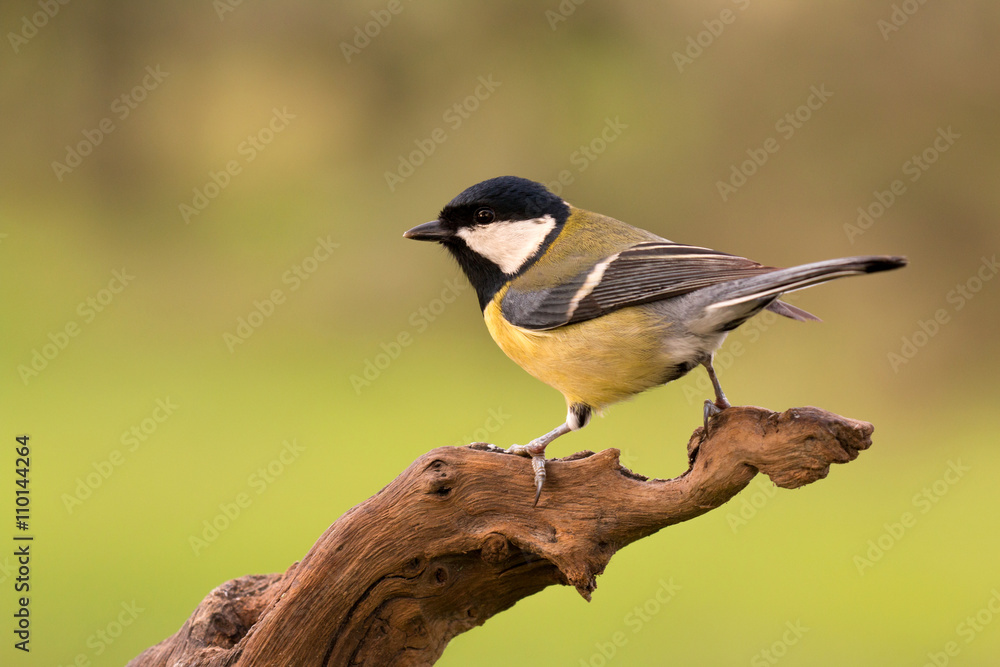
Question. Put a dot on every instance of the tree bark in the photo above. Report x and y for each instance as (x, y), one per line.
(454, 540)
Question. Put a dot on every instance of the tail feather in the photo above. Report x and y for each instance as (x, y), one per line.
(731, 303)
(791, 312)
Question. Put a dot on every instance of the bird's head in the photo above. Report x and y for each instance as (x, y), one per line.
(496, 229)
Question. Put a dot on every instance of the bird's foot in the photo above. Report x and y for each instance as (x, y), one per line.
(536, 450)
(712, 409)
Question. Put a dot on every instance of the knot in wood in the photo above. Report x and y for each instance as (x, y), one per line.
(495, 549)
(439, 474)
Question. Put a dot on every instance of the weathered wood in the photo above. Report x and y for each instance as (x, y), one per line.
(454, 540)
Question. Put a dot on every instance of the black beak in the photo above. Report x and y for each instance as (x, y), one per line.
(429, 231)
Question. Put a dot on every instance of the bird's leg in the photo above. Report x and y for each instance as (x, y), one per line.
(536, 450)
(721, 402)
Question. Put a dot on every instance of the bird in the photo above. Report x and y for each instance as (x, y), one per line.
(601, 310)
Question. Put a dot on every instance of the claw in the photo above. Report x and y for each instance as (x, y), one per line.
(536, 450)
(538, 465)
(537, 454)
(711, 409)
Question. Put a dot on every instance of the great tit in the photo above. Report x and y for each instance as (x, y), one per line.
(601, 310)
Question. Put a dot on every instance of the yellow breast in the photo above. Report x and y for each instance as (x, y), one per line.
(597, 362)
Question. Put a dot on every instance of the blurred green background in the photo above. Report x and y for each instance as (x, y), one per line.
(277, 125)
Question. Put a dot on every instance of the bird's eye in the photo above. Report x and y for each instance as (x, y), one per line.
(485, 216)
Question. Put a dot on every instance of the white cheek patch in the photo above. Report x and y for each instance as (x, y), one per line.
(508, 244)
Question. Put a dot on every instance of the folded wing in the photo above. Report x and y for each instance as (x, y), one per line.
(643, 273)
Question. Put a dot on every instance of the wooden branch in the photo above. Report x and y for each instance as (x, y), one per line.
(454, 540)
